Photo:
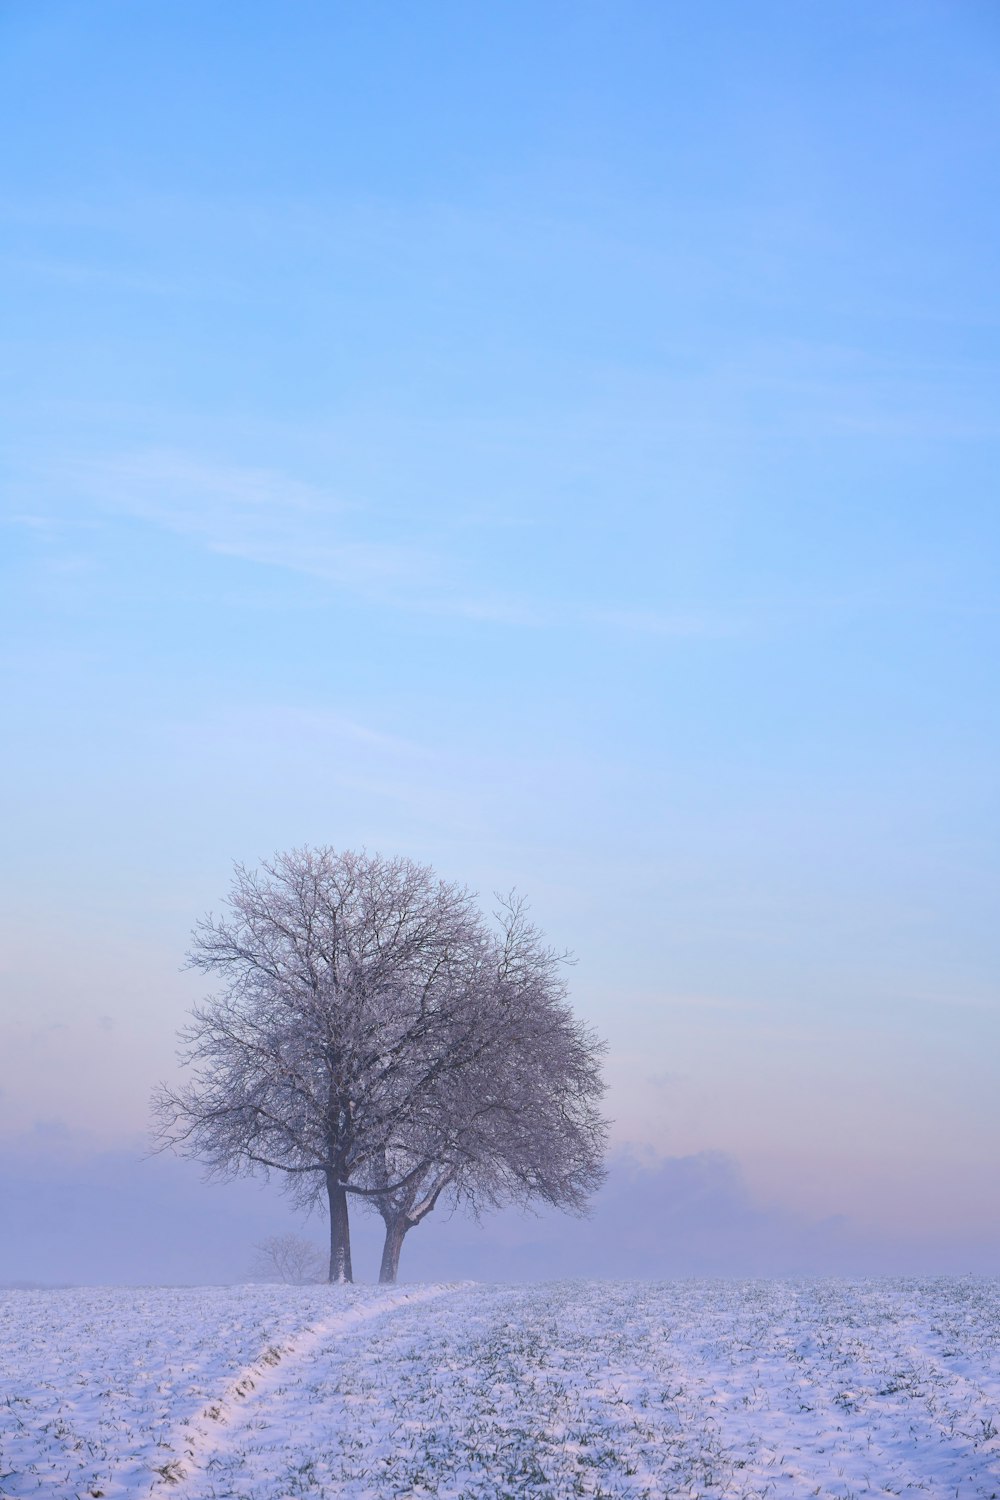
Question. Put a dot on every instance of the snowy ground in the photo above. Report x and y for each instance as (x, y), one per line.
(683, 1389)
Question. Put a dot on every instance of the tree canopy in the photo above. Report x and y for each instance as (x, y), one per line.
(374, 1035)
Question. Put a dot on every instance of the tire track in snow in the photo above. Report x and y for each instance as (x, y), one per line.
(199, 1440)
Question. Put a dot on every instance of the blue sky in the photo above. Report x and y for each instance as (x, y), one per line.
(556, 442)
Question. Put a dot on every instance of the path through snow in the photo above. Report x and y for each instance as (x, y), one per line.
(222, 1422)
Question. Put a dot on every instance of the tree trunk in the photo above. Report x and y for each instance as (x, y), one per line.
(340, 1232)
(395, 1231)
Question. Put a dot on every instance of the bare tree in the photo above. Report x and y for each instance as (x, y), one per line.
(289, 1258)
(522, 1122)
(347, 993)
(372, 1036)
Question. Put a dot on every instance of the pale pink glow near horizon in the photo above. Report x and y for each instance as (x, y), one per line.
(687, 1075)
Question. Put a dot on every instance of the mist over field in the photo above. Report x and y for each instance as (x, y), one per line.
(115, 1217)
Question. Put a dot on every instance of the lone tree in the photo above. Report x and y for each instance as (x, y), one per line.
(356, 1039)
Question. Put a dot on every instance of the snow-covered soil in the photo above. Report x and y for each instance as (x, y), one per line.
(682, 1389)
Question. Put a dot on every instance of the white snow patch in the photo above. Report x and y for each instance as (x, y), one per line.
(715, 1390)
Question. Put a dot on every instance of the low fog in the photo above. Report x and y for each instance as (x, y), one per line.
(104, 1217)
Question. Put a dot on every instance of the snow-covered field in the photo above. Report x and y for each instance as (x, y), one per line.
(680, 1389)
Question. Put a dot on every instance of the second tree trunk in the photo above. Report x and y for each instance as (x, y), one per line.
(395, 1232)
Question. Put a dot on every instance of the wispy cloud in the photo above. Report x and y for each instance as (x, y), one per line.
(271, 519)
(326, 734)
(268, 518)
(261, 516)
